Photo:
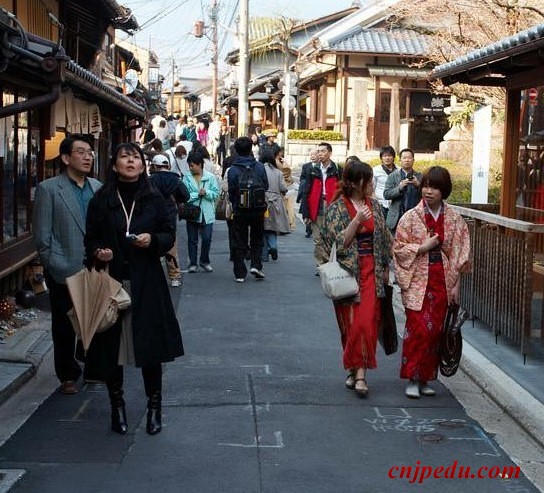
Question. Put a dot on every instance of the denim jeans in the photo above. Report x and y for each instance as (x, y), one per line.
(270, 241)
(193, 231)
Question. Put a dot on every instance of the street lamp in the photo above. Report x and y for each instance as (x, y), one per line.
(268, 87)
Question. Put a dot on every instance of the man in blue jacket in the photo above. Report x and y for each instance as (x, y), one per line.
(248, 222)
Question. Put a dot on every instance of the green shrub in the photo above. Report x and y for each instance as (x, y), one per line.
(321, 135)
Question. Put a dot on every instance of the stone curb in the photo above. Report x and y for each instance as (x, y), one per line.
(504, 391)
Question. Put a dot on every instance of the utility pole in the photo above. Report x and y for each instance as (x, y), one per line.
(173, 86)
(215, 55)
(243, 68)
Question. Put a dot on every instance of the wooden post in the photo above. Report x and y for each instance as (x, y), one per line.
(510, 148)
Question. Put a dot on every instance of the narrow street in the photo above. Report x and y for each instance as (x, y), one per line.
(258, 405)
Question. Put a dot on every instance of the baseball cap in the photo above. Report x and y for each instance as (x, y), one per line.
(160, 160)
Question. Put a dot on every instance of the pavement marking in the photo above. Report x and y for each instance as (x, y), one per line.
(265, 368)
(257, 443)
(79, 412)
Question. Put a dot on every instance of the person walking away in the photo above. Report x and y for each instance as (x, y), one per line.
(223, 144)
(321, 186)
(129, 229)
(302, 192)
(431, 250)
(247, 182)
(381, 172)
(276, 219)
(203, 191)
(354, 222)
(60, 209)
(175, 192)
(402, 189)
(162, 134)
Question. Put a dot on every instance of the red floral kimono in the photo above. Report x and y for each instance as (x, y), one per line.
(421, 344)
(358, 322)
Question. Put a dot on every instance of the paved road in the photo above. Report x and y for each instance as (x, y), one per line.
(257, 405)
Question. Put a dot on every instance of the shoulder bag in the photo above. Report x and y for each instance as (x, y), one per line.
(337, 282)
(189, 212)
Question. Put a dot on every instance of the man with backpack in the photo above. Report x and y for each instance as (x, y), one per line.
(247, 184)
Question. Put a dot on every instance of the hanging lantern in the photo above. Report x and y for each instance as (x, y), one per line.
(7, 308)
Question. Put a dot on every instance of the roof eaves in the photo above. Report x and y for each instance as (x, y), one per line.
(521, 42)
(79, 77)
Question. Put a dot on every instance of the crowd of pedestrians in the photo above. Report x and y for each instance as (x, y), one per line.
(389, 217)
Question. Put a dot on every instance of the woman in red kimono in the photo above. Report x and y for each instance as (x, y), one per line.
(354, 222)
(431, 250)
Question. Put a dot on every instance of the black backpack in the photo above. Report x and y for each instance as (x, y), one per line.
(251, 189)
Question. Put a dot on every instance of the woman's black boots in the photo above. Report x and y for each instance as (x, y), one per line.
(154, 416)
(118, 412)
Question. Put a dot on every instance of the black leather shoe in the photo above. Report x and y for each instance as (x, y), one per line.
(119, 420)
(154, 421)
(154, 415)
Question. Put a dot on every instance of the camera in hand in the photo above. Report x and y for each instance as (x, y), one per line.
(132, 237)
(410, 176)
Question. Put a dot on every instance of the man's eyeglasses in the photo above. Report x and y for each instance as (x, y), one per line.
(84, 152)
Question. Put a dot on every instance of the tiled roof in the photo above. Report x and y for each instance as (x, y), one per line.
(491, 52)
(378, 40)
(78, 76)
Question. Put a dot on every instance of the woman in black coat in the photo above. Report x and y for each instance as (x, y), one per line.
(129, 227)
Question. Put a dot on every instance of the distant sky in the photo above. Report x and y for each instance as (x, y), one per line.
(166, 24)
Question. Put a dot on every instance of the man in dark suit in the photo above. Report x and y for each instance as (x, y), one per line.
(60, 210)
(302, 191)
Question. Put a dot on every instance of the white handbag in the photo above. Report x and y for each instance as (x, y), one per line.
(337, 283)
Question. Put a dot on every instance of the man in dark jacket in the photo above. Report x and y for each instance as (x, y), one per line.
(173, 189)
(302, 191)
(247, 222)
(321, 184)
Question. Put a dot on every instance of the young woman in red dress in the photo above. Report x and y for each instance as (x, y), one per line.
(355, 222)
(431, 249)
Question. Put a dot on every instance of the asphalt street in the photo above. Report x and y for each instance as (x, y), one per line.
(258, 405)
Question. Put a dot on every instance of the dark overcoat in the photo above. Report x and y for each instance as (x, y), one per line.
(156, 331)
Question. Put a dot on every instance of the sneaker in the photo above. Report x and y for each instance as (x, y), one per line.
(240, 279)
(424, 389)
(193, 269)
(412, 390)
(259, 274)
(207, 267)
(175, 283)
(273, 253)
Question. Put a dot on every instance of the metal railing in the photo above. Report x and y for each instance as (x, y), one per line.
(499, 290)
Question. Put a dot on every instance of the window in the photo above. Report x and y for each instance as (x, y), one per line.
(19, 148)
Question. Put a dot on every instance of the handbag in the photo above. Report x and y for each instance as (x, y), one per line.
(337, 282)
(221, 207)
(189, 212)
(451, 344)
(387, 332)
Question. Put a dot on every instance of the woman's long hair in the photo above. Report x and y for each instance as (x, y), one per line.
(268, 157)
(354, 171)
(109, 189)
